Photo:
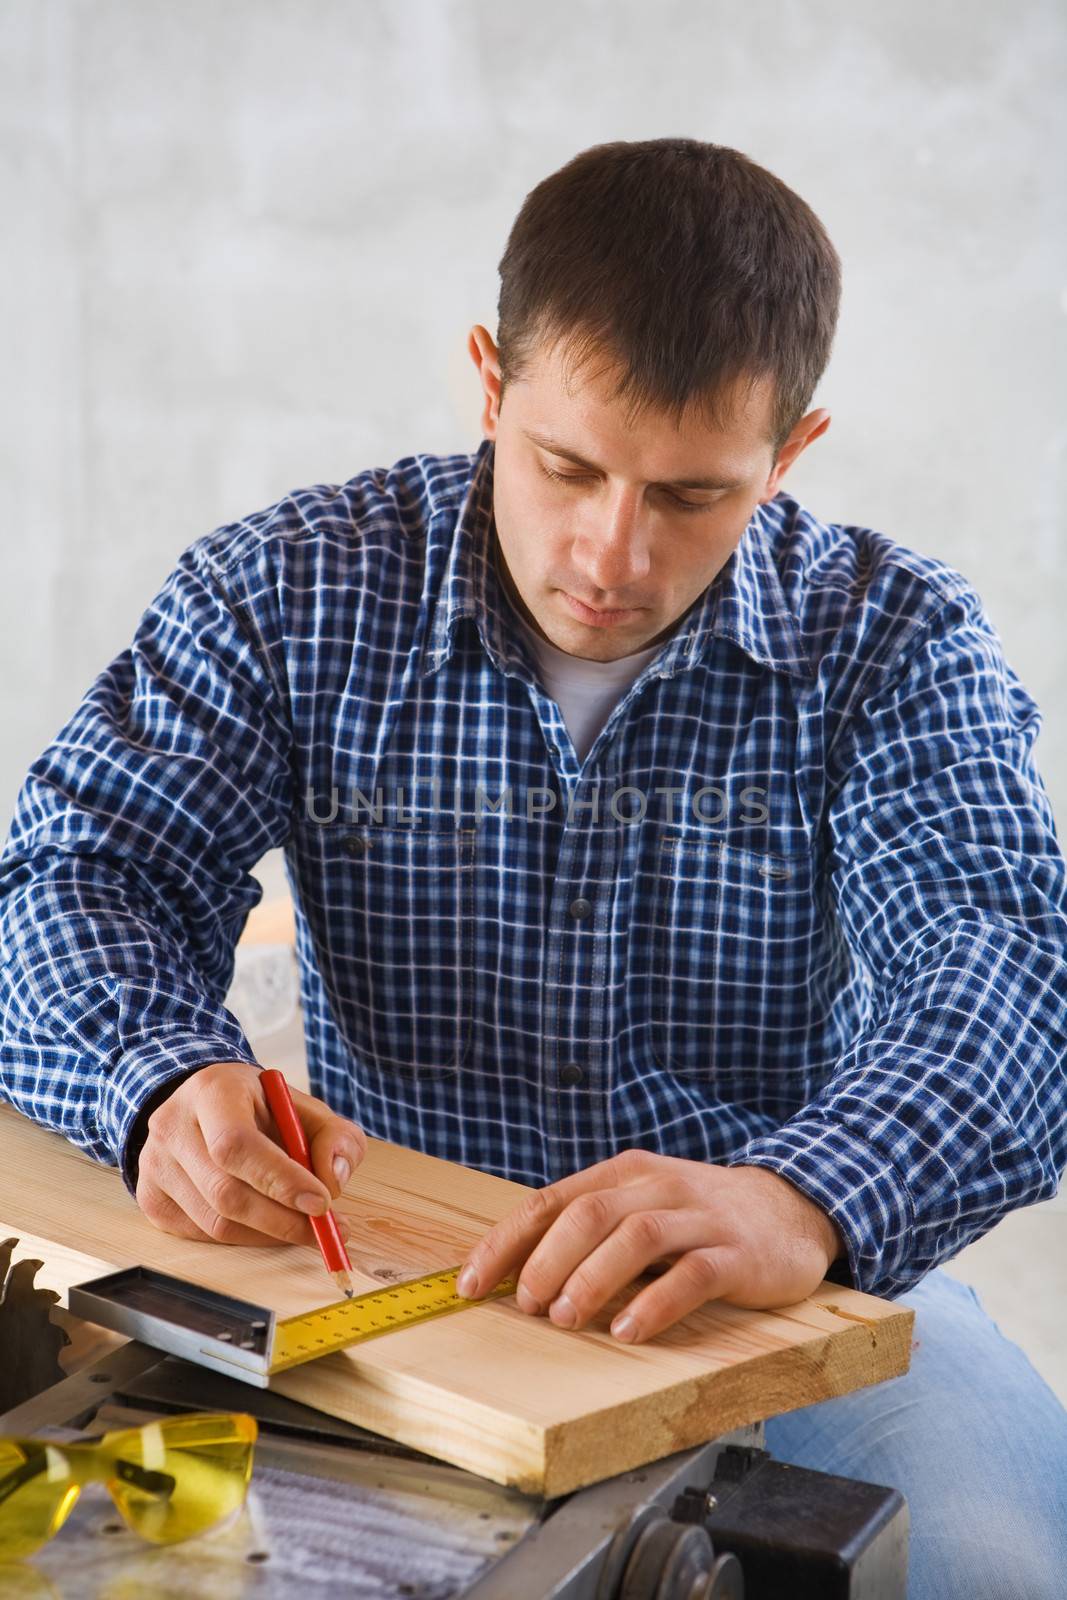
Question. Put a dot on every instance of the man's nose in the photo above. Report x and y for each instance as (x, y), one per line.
(612, 549)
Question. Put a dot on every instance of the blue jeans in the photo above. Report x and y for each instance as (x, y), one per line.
(972, 1437)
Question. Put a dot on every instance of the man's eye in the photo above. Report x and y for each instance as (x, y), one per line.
(583, 477)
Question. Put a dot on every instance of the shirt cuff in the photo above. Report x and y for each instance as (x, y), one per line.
(858, 1188)
(141, 1080)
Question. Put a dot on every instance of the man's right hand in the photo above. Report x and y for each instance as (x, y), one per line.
(213, 1166)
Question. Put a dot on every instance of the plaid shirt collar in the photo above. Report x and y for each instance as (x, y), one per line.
(745, 601)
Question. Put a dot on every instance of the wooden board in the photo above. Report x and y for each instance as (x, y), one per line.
(508, 1396)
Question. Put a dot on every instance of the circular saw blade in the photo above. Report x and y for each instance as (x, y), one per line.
(30, 1341)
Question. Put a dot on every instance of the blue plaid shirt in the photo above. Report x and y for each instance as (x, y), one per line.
(802, 905)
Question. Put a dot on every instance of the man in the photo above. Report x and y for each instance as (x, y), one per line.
(652, 843)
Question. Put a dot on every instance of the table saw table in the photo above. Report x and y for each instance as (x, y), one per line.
(338, 1510)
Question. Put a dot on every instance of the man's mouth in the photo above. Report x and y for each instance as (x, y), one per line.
(595, 617)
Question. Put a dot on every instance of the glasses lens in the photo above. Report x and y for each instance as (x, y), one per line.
(183, 1475)
(37, 1493)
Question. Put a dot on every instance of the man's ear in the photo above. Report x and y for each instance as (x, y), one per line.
(483, 353)
(806, 432)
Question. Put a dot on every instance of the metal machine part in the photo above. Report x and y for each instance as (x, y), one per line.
(331, 1506)
(763, 1529)
(811, 1535)
(655, 1557)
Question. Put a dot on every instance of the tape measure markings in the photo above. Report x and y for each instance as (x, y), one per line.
(347, 1322)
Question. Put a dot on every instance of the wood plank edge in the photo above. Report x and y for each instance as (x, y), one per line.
(701, 1408)
(406, 1408)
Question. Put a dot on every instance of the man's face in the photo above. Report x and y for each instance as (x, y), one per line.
(628, 534)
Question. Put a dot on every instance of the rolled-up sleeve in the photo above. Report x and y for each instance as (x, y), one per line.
(125, 880)
(950, 1109)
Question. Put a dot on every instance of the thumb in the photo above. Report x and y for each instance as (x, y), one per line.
(336, 1146)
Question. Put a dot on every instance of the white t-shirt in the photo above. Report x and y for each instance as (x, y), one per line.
(585, 691)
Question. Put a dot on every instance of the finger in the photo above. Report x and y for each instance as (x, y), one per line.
(711, 1273)
(232, 1199)
(183, 1197)
(237, 1148)
(336, 1145)
(200, 1221)
(581, 1231)
(640, 1237)
(164, 1212)
(509, 1241)
(255, 1225)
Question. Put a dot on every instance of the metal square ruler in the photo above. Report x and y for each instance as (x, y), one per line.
(251, 1342)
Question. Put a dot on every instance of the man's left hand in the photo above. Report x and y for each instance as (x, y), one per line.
(741, 1234)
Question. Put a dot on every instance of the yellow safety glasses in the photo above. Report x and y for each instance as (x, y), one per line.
(170, 1479)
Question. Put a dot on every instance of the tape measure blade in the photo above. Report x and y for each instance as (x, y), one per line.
(348, 1322)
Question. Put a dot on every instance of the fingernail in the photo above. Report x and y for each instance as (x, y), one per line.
(526, 1301)
(342, 1169)
(562, 1312)
(624, 1327)
(313, 1204)
(467, 1281)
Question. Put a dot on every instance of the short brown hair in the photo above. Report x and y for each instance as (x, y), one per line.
(689, 265)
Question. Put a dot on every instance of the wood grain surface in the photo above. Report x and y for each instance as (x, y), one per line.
(505, 1395)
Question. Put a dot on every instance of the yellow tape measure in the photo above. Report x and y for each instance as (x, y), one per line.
(348, 1322)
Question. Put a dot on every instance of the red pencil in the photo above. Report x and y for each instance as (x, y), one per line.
(328, 1234)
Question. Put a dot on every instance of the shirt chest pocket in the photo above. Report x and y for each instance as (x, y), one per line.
(733, 932)
(397, 942)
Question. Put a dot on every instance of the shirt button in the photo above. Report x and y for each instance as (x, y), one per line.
(353, 844)
(571, 1073)
(580, 908)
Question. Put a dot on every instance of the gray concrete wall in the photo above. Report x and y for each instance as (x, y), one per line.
(244, 241)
